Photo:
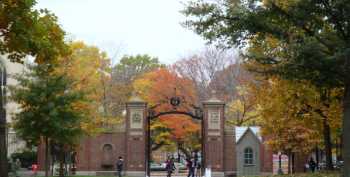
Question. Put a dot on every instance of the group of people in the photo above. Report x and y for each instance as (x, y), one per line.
(194, 167)
(192, 164)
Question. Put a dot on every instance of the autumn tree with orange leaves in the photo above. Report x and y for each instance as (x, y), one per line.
(157, 88)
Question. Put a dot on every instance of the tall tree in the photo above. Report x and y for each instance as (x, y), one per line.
(130, 67)
(26, 31)
(244, 108)
(124, 74)
(90, 71)
(314, 33)
(287, 108)
(202, 68)
(49, 107)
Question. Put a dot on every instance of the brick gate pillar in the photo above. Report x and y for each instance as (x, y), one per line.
(135, 157)
(213, 110)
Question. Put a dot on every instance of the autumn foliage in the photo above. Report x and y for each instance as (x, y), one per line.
(157, 88)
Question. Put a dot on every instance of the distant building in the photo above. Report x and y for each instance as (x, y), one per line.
(14, 143)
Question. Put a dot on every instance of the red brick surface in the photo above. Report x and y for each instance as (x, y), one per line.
(90, 153)
(214, 145)
(229, 152)
(266, 157)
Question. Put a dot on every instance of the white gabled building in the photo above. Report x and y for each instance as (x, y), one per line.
(253, 157)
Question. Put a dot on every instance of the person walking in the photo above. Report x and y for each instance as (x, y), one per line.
(198, 169)
(191, 165)
(312, 165)
(120, 164)
(170, 166)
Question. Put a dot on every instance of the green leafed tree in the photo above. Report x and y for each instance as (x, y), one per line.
(26, 31)
(49, 109)
(314, 36)
(124, 73)
(131, 67)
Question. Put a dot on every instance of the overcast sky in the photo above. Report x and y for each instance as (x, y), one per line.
(129, 27)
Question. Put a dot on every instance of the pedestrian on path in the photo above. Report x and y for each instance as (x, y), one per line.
(312, 165)
(198, 169)
(120, 164)
(170, 166)
(191, 165)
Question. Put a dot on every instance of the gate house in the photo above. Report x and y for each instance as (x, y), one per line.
(222, 151)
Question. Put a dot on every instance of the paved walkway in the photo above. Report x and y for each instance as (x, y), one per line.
(164, 175)
(27, 173)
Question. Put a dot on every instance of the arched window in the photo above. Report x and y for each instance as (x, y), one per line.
(248, 156)
(107, 158)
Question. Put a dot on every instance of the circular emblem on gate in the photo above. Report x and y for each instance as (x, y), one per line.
(175, 101)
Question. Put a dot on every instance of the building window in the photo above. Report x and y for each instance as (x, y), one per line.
(248, 156)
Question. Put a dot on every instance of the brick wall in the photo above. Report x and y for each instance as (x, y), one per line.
(229, 151)
(266, 157)
(90, 151)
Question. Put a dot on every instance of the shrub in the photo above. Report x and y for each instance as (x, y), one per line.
(27, 158)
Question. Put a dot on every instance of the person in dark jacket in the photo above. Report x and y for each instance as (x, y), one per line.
(120, 164)
(191, 165)
(312, 165)
(170, 166)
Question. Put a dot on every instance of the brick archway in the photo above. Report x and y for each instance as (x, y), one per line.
(215, 140)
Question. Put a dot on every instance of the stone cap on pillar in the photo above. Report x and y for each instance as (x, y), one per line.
(135, 99)
(213, 99)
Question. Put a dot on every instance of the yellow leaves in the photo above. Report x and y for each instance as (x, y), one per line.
(89, 70)
(291, 113)
(283, 4)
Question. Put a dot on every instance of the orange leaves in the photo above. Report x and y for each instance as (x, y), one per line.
(180, 125)
(157, 88)
(160, 85)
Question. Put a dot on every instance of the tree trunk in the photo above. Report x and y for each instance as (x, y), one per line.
(47, 161)
(61, 159)
(328, 144)
(317, 157)
(346, 131)
(289, 164)
(293, 163)
(3, 144)
(340, 147)
(61, 166)
(52, 161)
